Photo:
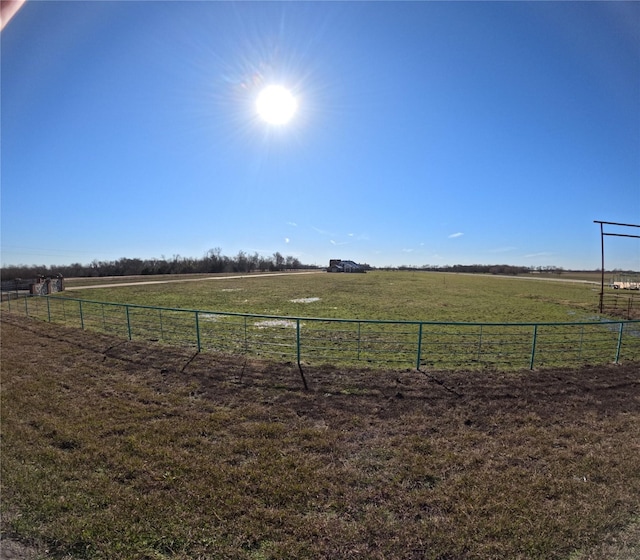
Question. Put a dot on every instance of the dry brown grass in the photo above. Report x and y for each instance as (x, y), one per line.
(114, 449)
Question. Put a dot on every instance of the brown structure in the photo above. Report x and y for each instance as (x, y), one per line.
(44, 286)
(40, 286)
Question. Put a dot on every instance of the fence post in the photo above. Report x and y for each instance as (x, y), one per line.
(533, 346)
(48, 309)
(26, 306)
(126, 309)
(619, 345)
(81, 314)
(304, 380)
(419, 356)
(298, 340)
(198, 331)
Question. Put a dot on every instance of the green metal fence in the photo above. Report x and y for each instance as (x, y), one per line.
(311, 340)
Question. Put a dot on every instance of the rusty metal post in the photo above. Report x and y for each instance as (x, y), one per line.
(602, 234)
(601, 267)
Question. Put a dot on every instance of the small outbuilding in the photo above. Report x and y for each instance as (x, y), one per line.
(338, 265)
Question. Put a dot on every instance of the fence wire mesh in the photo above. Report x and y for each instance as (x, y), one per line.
(310, 340)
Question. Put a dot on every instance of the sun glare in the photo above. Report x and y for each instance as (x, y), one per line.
(276, 105)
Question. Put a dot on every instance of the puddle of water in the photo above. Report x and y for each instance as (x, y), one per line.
(275, 323)
(211, 317)
(305, 300)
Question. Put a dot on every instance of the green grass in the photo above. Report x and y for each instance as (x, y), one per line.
(419, 296)
(355, 299)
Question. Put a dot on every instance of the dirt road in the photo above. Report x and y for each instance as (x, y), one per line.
(199, 279)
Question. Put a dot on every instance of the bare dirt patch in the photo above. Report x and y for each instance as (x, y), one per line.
(387, 464)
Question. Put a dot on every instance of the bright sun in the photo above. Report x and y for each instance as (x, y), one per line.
(276, 105)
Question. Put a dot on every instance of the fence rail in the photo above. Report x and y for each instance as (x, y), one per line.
(312, 340)
(624, 304)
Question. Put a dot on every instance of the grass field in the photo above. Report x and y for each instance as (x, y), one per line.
(370, 319)
(113, 449)
(419, 296)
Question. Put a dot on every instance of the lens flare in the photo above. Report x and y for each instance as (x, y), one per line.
(276, 105)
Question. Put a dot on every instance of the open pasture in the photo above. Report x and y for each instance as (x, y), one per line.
(412, 296)
(443, 321)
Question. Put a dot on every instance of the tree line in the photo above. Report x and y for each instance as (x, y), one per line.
(483, 268)
(212, 261)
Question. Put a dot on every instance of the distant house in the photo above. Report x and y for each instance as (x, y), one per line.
(338, 265)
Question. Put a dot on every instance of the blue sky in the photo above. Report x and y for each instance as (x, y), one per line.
(426, 132)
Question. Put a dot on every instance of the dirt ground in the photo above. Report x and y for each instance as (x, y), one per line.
(600, 389)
